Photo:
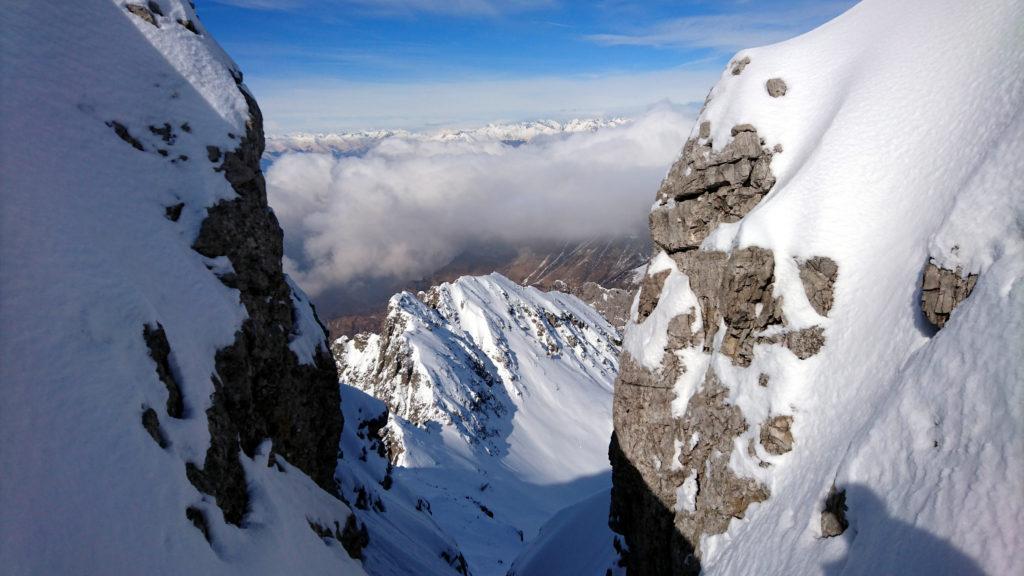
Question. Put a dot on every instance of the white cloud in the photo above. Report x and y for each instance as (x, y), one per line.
(407, 206)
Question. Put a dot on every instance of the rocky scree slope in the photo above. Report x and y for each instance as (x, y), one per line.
(171, 400)
(500, 406)
(812, 375)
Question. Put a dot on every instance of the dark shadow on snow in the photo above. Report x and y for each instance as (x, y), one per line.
(881, 544)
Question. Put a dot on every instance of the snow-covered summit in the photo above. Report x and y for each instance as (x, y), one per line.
(493, 385)
(494, 361)
(347, 143)
(823, 373)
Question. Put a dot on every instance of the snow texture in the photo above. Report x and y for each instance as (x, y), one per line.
(511, 390)
(90, 255)
(575, 542)
(903, 137)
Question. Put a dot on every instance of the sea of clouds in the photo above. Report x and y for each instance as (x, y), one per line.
(406, 207)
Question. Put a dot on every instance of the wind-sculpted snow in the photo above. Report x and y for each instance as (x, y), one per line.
(500, 400)
(786, 404)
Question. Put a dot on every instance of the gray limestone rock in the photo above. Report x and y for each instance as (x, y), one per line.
(942, 290)
(144, 12)
(776, 87)
(776, 436)
(807, 342)
(650, 291)
(705, 188)
(611, 303)
(261, 390)
(654, 451)
(818, 276)
(746, 301)
(833, 517)
(739, 65)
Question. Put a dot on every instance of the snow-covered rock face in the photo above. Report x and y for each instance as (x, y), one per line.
(500, 400)
(468, 355)
(173, 405)
(782, 382)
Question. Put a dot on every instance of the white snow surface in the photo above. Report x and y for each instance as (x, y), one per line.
(89, 258)
(575, 542)
(903, 137)
(514, 388)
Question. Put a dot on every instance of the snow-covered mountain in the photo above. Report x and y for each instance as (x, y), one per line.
(170, 402)
(348, 143)
(823, 370)
(500, 405)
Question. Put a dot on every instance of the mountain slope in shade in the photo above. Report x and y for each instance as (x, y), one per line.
(149, 357)
(823, 371)
(500, 406)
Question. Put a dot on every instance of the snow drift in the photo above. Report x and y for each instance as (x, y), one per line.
(785, 404)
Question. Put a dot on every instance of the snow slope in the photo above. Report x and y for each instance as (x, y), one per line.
(501, 406)
(89, 256)
(575, 542)
(902, 132)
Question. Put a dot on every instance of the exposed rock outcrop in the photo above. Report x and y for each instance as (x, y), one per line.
(611, 303)
(705, 188)
(776, 87)
(833, 517)
(818, 276)
(739, 65)
(942, 290)
(672, 478)
(262, 389)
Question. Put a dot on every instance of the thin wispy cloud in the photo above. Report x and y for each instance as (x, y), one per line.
(318, 105)
(749, 25)
(400, 7)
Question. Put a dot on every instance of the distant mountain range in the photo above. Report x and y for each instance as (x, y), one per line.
(354, 143)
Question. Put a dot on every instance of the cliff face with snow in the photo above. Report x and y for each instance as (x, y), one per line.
(500, 406)
(822, 372)
(171, 403)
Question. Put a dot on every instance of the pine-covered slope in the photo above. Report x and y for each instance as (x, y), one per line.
(170, 404)
(823, 370)
(500, 402)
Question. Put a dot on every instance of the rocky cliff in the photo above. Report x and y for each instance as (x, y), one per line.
(180, 410)
(778, 380)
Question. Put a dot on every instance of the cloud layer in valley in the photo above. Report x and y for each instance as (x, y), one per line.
(407, 206)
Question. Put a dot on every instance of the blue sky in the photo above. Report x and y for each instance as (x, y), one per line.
(322, 65)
